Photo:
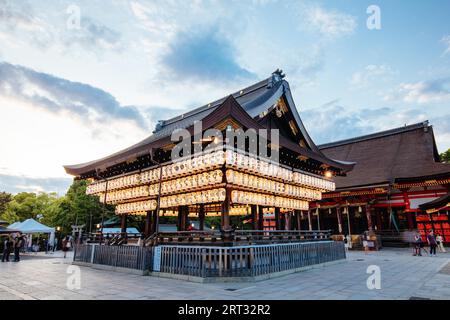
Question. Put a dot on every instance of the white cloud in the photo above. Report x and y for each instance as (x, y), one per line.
(446, 41)
(330, 23)
(421, 92)
(37, 144)
(21, 24)
(370, 74)
(333, 121)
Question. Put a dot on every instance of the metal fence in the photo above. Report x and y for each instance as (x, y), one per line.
(252, 260)
(83, 253)
(209, 261)
(132, 257)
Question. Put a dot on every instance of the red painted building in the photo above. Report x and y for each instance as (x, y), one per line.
(397, 184)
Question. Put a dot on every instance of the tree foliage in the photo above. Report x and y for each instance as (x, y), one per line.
(5, 198)
(74, 208)
(445, 156)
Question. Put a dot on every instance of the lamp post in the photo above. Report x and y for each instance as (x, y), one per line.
(100, 230)
(58, 229)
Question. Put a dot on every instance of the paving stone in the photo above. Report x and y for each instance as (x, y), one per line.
(402, 276)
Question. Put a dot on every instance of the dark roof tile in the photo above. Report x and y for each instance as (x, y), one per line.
(383, 157)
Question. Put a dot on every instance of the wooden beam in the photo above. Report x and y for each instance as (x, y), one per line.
(287, 218)
(339, 219)
(201, 217)
(148, 224)
(309, 220)
(123, 223)
(260, 218)
(277, 219)
(180, 213)
(369, 218)
(154, 221)
(226, 206)
(254, 213)
(379, 222)
(299, 220)
(318, 219)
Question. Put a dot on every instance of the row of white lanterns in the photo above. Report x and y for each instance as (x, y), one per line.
(263, 184)
(273, 170)
(196, 164)
(243, 197)
(190, 182)
(140, 206)
(125, 194)
(209, 162)
(207, 196)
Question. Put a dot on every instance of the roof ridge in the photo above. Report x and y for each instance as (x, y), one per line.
(376, 135)
(241, 92)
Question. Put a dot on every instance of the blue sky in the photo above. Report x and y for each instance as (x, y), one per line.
(73, 94)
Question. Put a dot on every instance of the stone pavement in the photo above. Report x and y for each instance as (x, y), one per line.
(402, 277)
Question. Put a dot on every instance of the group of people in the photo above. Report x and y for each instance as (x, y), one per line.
(12, 244)
(17, 243)
(435, 241)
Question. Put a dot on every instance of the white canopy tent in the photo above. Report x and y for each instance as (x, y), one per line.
(31, 226)
(14, 225)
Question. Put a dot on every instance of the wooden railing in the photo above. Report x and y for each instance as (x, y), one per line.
(239, 237)
(242, 261)
(281, 236)
(110, 238)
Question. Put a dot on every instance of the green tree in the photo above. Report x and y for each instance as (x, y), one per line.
(445, 156)
(74, 208)
(5, 198)
(26, 205)
(79, 208)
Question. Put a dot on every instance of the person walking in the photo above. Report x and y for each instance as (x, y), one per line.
(6, 249)
(17, 245)
(431, 238)
(440, 243)
(417, 245)
(66, 244)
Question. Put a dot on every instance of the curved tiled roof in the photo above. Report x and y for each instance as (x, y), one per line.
(385, 157)
(254, 99)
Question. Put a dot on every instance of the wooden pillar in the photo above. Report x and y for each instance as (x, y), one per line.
(154, 220)
(348, 221)
(369, 218)
(309, 220)
(201, 217)
(123, 223)
(254, 211)
(379, 222)
(299, 220)
(260, 218)
(186, 217)
(318, 219)
(339, 219)
(180, 224)
(277, 219)
(410, 220)
(148, 224)
(287, 225)
(226, 206)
